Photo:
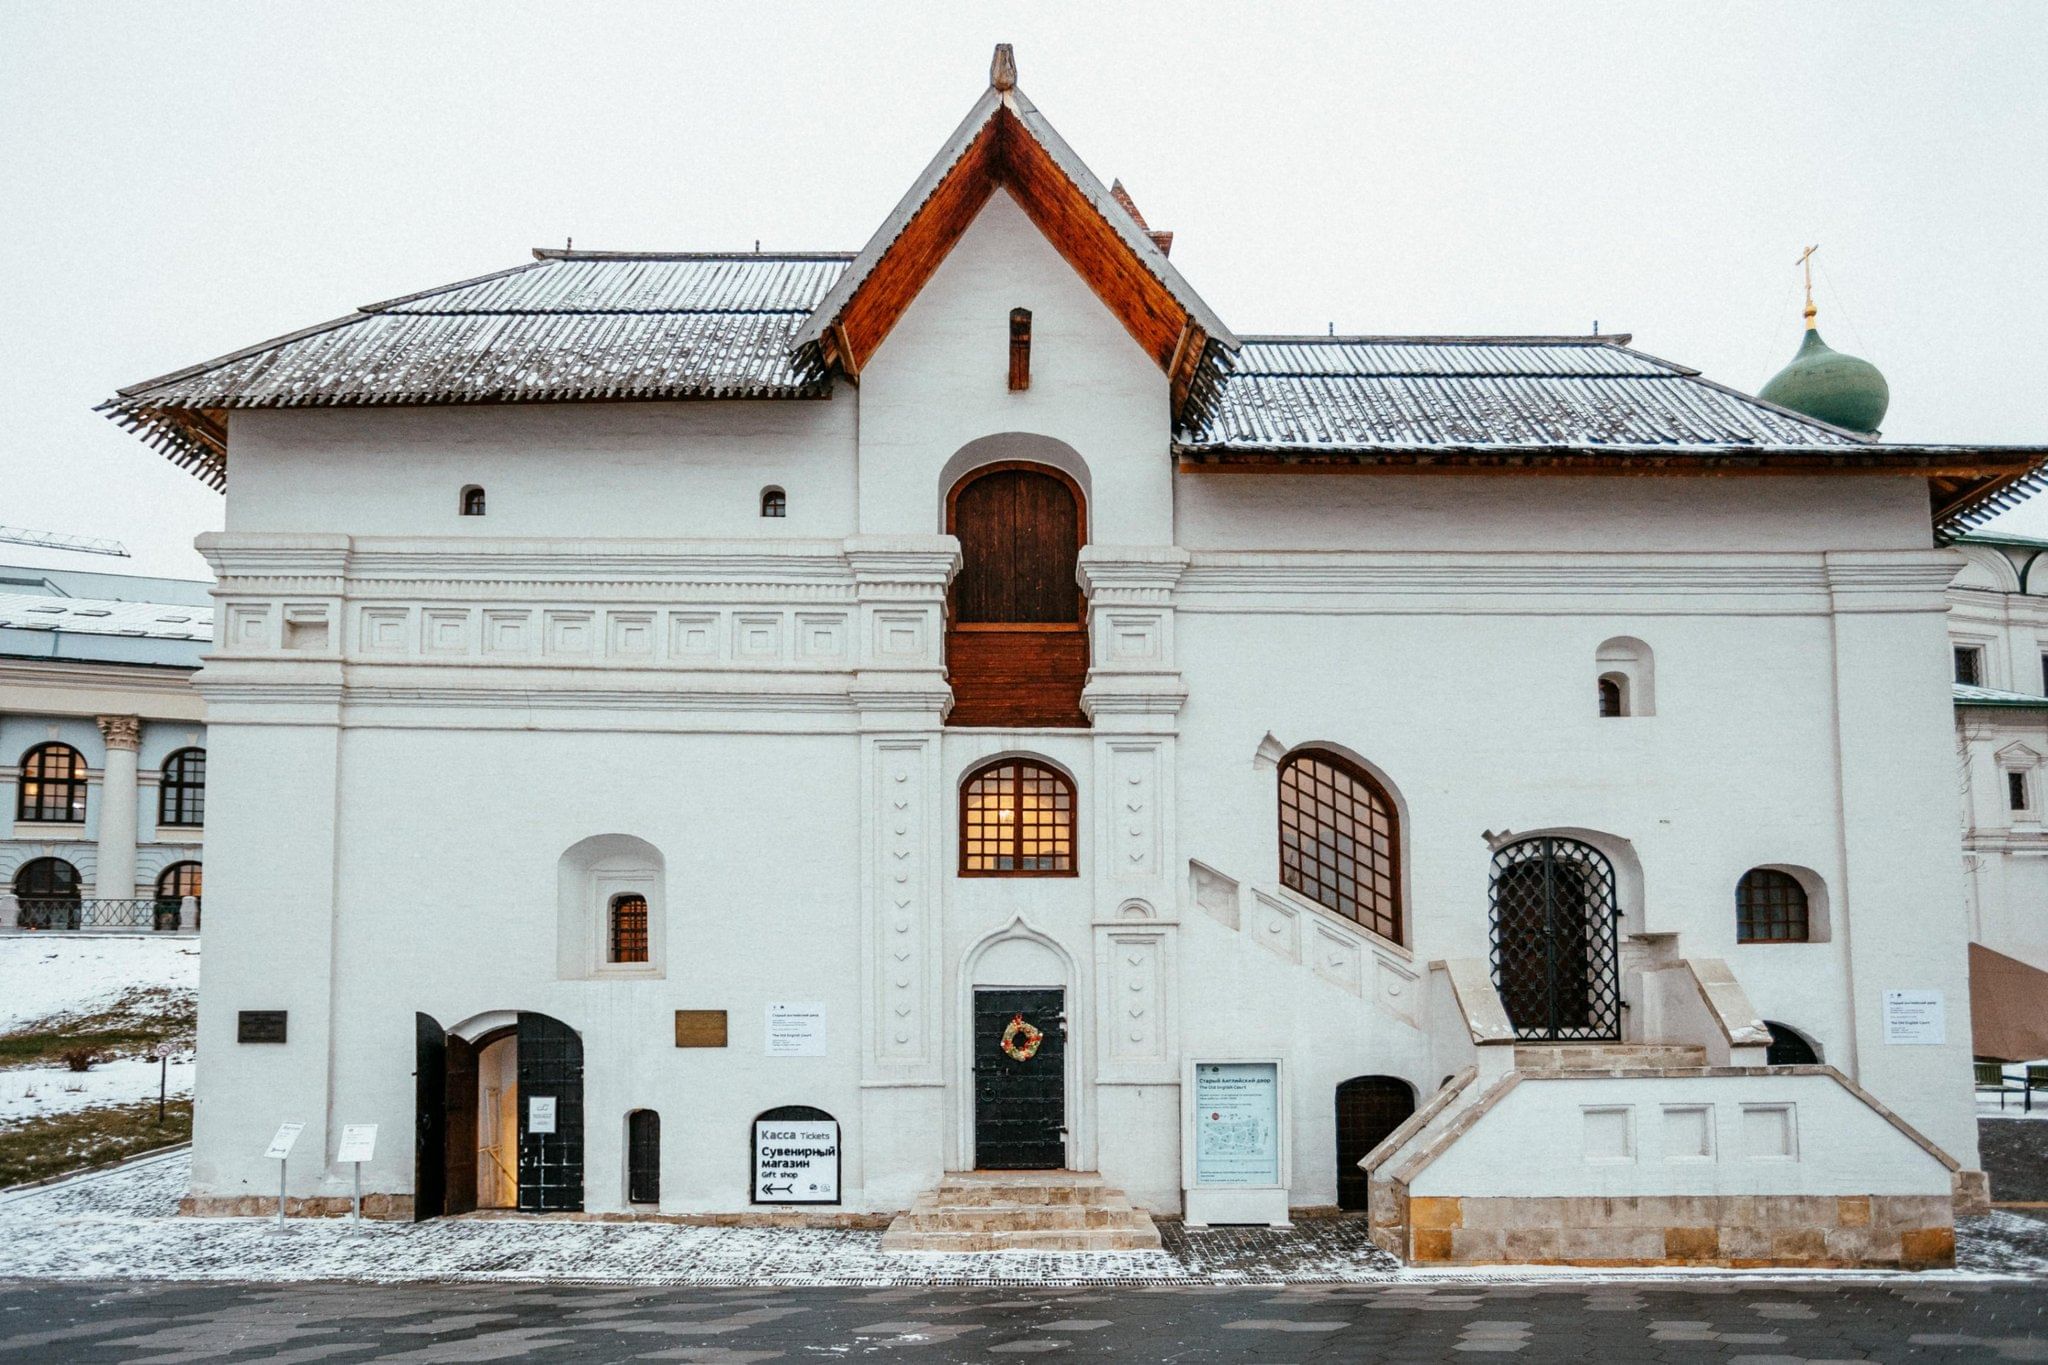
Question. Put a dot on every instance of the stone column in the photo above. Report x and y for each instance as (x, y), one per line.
(116, 875)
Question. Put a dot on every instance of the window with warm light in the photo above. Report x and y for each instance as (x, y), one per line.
(1016, 820)
(52, 785)
(629, 928)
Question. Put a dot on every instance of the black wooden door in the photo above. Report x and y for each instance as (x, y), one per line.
(1020, 539)
(430, 1117)
(1368, 1108)
(1020, 1107)
(550, 1164)
(460, 1194)
(1556, 950)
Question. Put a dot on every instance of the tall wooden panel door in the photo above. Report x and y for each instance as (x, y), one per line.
(430, 1117)
(1017, 640)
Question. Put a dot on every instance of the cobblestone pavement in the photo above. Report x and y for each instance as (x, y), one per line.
(2015, 1153)
(1758, 1323)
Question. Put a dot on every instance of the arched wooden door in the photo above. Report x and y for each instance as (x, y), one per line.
(1017, 643)
(1368, 1109)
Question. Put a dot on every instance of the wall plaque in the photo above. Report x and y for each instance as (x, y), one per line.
(700, 1028)
(259, 1026)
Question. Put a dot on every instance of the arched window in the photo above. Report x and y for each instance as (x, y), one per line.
(1611, 702)
(629, 928)
(472, 501)
(643, 1157)
(774, 502)
(1340, 840)
(52, 786)
(1627, 664)
(1788, 1047)
(1016, 820)
(181, 799)
(173, 884)
(1369, 1109)
(47, 892)
(1770, 907)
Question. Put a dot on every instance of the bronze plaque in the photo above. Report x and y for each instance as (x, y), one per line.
(259, 1026)
(700, 1028)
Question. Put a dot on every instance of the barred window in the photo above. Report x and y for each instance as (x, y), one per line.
(52, 786)
(1770, 907)
(629, 928)
(181, 799)
(1016, 820)
(1340, 840)
(1610, 696)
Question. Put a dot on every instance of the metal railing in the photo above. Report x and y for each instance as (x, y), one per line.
(153, 914)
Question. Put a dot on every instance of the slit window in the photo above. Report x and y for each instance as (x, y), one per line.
(1020, 349)
(629, 928)
(774, 503)
(472, 501)
(2016, 791)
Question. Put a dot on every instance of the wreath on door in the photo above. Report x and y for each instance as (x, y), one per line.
(1021, 1040)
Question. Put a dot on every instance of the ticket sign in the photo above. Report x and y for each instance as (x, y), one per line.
(281, 1145)
(795, 1030)
(1915, 1017)
(358, 1143)
(540, 1114)
(796, 1161)
(1237, 1123)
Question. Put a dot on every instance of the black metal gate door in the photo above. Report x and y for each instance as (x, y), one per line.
(1020, 1106)
(550, 1163)
(430, 1117)
(1368, 1108)
(1555, 941)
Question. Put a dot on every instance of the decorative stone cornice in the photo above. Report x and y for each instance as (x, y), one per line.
(121, 732)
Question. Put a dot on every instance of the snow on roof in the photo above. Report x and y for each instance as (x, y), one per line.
(103, 630)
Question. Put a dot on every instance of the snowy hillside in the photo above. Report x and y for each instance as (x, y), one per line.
(47, 976)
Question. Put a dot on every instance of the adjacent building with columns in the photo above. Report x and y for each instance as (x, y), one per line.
(719, 735)
(102, 748)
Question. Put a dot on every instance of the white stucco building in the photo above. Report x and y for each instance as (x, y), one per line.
(657, 691)
(102, 749)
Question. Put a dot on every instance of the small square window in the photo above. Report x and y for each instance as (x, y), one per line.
(1969, 665)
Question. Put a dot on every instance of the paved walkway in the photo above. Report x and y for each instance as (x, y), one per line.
(1753, 1323)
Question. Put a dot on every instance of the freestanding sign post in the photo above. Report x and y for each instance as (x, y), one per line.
(280, 1151)
(1235, 1145)
(162, 1052)
(358, 1144)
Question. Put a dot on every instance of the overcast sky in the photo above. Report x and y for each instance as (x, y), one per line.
(180, 180)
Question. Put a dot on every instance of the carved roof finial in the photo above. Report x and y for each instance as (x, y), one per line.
(1002, 71)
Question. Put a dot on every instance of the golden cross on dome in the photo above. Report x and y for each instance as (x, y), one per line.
(1805, 263)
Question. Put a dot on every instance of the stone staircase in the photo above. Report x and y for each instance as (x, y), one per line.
(1022, 1211)
(1610, 1059)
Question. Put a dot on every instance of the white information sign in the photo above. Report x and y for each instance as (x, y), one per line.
(1237, 1123)
(796, 1161)
(1915, 1017)
(281, 1145)
(795, 1030)
(540, 1114)
(358, 1142)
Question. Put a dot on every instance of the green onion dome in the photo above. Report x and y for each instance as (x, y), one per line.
(1822, 382)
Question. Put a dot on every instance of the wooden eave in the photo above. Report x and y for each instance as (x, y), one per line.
(1956, 475)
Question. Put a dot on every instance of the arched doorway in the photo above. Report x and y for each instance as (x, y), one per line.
(1788, 1047)
(498, 1116)
(1556, 942)
(1016, 639)
(1368, 1109)
(46, 890)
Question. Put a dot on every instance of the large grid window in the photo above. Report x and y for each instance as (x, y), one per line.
(1770, 907)
(1016, 820)
(181, 798)
(629, 928)
(52, 786)
(1340, 840)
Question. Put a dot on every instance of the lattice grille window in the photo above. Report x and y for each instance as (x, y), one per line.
(1340, 840)
(629, 928)
(1017, 819)
(1770, 907)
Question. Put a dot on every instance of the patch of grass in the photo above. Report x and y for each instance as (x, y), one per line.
(59, 1144)
(130, 1027)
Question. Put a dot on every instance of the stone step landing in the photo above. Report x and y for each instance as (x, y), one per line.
(1607, 1058)
(1022, 1211)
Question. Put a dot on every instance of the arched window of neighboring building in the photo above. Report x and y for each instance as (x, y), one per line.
(1788, 1047)
(643, 1157)
(173, 884)
(52, 786)
(1340, 840)
(46, 890)
(774, 502)
(1611, 703)
(181, 799)
(1016, 820)
(629, 928)
(1770, 907)
(472, 501)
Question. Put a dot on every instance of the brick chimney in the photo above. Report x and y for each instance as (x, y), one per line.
(1162, 240)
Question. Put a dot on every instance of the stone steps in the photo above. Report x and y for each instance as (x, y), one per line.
(1022, 1211)
(1608, 1058)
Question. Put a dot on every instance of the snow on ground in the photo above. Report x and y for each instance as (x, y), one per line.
(47, 975)
(31, 1092)
(121, 1224)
